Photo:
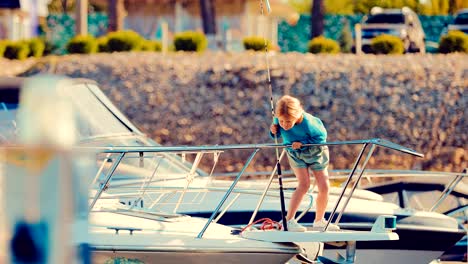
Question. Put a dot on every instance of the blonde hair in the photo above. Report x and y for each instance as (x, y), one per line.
(289, 106)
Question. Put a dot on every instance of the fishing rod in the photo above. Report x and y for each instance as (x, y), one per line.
(278, 165)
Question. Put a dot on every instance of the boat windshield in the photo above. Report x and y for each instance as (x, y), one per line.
(100, 124)
(94, 118)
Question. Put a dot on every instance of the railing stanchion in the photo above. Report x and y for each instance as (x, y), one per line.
(448, 190)
(355, 184)
(358, 159)
(106, 182)
(227, 193)
(267, 187)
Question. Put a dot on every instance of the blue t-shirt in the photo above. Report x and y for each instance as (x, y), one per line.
(310, 131)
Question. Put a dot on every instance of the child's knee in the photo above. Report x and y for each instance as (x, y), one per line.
(302, 189)
(324, 188)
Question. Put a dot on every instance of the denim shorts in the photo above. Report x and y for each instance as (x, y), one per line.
(315, 157)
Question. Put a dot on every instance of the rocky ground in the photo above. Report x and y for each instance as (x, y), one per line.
(417, 101)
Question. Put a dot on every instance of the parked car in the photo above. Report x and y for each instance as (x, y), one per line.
(403, 23)
(460, 22)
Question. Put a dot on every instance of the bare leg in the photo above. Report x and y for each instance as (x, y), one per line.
(303, 179)
(323, 188)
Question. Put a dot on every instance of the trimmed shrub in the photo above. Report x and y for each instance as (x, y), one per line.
(151, 45)
(125, 40)
(2, 47)
(82, 45)
(323, 45)
(256, 43)
(102, 44)
(454, 41)
(387, 44)
(36, 47)
(18, 50)
(190, 41)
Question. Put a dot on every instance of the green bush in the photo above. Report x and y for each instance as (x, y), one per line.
(36, 47)
(82, 45)
(102, 44)
(125, 40)
(387, 44)
(2, 47)
(256, 43)
(190, 41)
(323, 45)
(18, 50)
(454, 41)
(151, 45)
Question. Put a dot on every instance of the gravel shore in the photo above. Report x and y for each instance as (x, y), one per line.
(417, 101)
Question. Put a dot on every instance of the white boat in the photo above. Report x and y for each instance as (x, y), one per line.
(199, 196)
(442, 192)
(155, 236)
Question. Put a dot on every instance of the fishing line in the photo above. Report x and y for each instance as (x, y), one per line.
(278, 165)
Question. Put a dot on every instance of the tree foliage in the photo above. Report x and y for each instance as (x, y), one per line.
(427, 7)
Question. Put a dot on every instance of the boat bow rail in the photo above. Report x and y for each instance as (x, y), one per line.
(162, 152)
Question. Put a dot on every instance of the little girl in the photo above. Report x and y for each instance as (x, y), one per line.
(296, 128)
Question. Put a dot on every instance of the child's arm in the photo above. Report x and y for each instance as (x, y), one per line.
(274, 129)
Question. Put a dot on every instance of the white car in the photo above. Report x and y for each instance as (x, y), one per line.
(403, 23)
(460, 22)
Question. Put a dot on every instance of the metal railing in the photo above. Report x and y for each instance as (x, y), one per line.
(254, 148)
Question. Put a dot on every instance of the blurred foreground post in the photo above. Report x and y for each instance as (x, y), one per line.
(46, 219)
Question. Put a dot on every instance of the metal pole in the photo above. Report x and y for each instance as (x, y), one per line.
(355, 184)
(106, 159)
(346, 185)
(227, 193)
(448, 190)
(278, 165)
(267, 187)
(106, 182)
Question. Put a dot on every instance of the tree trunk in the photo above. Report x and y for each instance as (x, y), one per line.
(452, 7)
(116, 12)
(208, 17)
(64, 6)
(317, 17)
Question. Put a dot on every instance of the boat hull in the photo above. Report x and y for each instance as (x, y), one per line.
(387, 256)
(418, 243)
(195, 257)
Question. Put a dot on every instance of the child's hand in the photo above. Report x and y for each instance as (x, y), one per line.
(296, 145)
(274, 129)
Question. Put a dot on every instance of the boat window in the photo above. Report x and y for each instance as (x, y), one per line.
(134, 170)
(425, 200)
(391, 198)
